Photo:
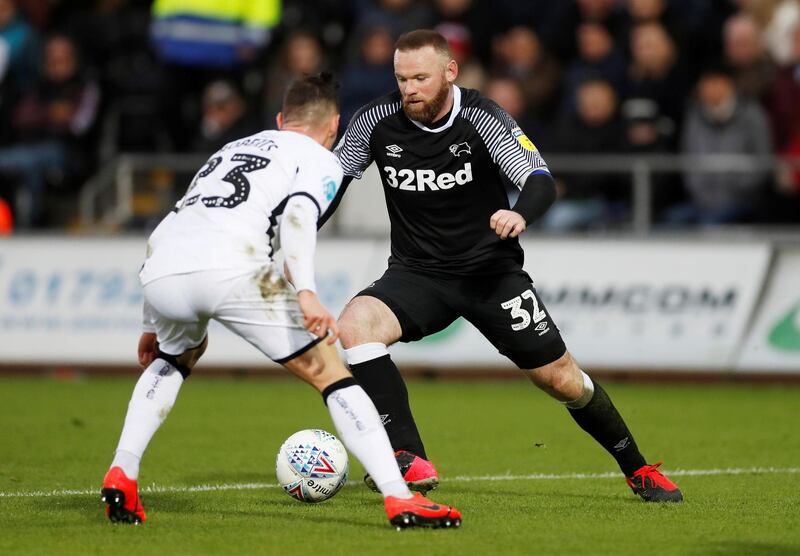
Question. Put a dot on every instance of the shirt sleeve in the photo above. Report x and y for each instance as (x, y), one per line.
(353, 148)
(318, 178)
(298, 235)
(512, 151)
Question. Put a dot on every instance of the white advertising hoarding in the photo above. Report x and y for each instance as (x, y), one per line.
(620, 304)
(773, 343)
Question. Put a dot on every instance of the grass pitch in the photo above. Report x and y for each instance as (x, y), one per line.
(511, 460)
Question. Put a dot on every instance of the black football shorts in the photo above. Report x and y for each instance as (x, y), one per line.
(505, 308)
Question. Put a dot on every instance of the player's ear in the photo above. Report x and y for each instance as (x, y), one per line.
(451, 71)
(279, 120)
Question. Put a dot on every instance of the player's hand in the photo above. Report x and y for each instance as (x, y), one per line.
(148, 348)
(507, 223)
(316, 318)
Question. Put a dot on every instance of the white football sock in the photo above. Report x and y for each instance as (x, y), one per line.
(152, 399)
(361, 431)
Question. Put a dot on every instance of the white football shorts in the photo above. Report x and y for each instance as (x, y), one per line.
(259, 306)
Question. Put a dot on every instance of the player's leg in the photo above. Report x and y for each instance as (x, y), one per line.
(359, 427)
(181, 343)
(400, 306)
(367, 327)
(273, 324)
(509, 312)
(592, 408)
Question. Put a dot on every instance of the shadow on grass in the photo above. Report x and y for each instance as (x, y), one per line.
(92, 510)
(751, 549)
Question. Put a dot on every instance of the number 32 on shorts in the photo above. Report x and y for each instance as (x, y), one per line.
(517, 312)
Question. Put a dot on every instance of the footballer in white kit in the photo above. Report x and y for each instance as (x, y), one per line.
(212, 257)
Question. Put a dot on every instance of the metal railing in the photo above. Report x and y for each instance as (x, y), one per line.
(106, 200)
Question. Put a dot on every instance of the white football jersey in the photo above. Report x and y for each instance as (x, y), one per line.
(230, 215)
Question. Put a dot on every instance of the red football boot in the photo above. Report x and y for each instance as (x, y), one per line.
(418, 511)
(653, 486)
(419, 474)
(122, 498)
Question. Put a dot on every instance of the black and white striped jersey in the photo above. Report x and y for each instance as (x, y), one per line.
(442, 184)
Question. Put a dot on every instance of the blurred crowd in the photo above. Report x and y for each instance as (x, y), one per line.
(81, 80)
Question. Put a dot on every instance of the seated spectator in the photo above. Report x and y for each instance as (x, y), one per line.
(519, 54)
(598, 58)
(197, 42)
(52, 124)
(784, 111)
(656, 71)
(647, 131)
(745, 53)
(370, 75)
(224, 118)
(22, 43)
(508, 94)
(721, 121)
(470, 72)
(301, 54)
(589, 200)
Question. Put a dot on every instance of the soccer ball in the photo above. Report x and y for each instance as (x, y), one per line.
(311, 465)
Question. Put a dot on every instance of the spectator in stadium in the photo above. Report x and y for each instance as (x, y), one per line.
(370, 74)
(224, 118)
(784, 111)
(22, 43)
(300, 54)
(459, 38)
(472, 17)
(598, 58)
(199, 41)
(778, 19)
(753, 69)
(589, 200)
(53, 125)
(720, 121)
(656, 71)
(518, 53)
(646, 131)
(660, 12)
(508, 94)
(456, 253)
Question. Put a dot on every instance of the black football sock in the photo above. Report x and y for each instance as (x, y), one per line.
(381, 380)
(604, 423)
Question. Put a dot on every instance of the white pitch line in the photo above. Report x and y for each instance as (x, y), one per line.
(462, 478)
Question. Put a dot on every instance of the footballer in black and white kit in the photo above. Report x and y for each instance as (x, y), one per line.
(442, 184)
(446, 156)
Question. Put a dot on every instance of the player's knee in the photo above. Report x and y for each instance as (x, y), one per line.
(355, 324)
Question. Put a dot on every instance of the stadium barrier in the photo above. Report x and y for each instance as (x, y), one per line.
(630, 305)
(132, 186)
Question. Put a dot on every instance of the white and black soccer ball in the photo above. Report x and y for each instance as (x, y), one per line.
(312, 465)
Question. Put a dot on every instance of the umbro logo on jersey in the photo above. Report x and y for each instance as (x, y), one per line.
(393, 150)
(460, 148)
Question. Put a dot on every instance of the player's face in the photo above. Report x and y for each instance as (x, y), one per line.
(425, 80)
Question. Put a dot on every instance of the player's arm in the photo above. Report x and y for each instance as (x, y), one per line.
(335, 203)
(354, 155)
(298, 232)
(536, 197)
